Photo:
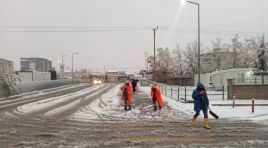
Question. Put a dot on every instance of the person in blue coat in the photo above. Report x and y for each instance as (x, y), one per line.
(201, 102)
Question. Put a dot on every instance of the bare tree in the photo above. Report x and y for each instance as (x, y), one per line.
(163, 67)
(178, 62)
(150, 61)
(191, 57)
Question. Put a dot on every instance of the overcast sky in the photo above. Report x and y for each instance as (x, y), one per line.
(115, 49)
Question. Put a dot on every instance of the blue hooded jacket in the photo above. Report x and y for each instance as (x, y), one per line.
(200, 103)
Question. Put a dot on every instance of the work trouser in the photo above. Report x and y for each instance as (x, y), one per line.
(126, 101)
(154, 103)
(205, 112)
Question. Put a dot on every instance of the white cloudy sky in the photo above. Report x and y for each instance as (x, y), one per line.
(119, 49)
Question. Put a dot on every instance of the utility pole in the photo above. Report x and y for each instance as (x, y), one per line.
(62, 66)
(199, 67)
(73, 66)
(198, 11)
(154, 29)
(62, 63)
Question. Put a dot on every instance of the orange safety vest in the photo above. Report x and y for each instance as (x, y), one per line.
(127, 89)
(158, 95)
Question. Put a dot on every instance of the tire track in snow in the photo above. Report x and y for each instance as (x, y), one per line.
(67, 101)
(69, 109)
(17, 102)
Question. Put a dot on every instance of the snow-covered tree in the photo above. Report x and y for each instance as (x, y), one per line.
(236, 48)
(163, 65)
(178, 61)
(191, 57)
(261, 55)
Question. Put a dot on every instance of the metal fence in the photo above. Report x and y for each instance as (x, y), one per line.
(184, 93)
(251, 81)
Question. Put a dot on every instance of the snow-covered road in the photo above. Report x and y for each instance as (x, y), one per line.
(94, 117)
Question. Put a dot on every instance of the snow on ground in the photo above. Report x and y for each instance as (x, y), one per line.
(24, 96)
(242, 112)
(227, 112)
(45, 103)
(73, 104)
(110, 107)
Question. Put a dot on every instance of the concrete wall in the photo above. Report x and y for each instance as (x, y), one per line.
(39, 85)
(34, 76)
(4, 92)
(29, 86)
(247, 91)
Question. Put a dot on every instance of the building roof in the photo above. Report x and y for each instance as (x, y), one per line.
(6, 60)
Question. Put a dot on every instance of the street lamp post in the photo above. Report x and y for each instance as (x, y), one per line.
(62, 65)
(198, 7)
(154, 29)
(73, 66)
(146, 60)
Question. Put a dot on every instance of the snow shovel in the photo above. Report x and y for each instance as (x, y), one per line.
(213, 114)
(210, 111)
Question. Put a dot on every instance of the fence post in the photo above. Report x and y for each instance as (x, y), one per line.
(178, 93)
(253, 105)
(171, 92)
(233, 101)
(166, 89)
(223, 93)
(185, 93)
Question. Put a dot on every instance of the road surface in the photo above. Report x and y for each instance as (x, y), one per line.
(48, 121)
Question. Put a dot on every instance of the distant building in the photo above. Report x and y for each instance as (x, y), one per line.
(217, 80)
(217, 60)
(143, 73)
(35, 64)
(115, 76)
(6, 66)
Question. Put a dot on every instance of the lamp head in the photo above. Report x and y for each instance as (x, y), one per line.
(183, 2)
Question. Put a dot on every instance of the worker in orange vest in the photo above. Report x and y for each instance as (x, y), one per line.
(156, 97)
(127, 95)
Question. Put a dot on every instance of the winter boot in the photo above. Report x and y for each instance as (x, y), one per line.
(125, 107)
(160, 107)
(129, 107)
(155, 108)
(193, 121)
(206, 123)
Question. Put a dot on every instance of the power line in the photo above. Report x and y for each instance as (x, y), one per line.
(83, 27)
(123, 68)
(125, 27)
(79, 29)
(75, 30)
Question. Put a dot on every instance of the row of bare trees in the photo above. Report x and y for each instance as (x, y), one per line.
(183, 61)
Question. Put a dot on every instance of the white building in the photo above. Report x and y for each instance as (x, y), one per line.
(217, 79)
